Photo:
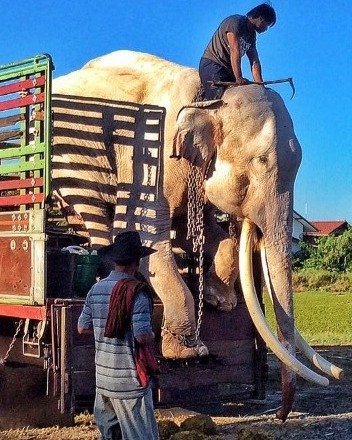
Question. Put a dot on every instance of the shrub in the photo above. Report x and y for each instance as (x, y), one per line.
(311, 279)
(332, 253)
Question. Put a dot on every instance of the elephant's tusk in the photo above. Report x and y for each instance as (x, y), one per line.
(322, 364)
(247, 282)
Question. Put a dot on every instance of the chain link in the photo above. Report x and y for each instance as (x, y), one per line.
(4, 359)
(234, 233)
(195, 229)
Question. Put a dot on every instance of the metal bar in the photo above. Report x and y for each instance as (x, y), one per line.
(21, 167)
(24, 125)
(48, 128)
(54, 346)
(25, 199)
(18, 311)
(22, 85)
(21, 183)
(63, 358)
(22, 151)
(25, 67)
(261, 83)
(22, 102)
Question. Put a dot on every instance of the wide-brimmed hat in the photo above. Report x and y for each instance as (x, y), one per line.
(127, 245)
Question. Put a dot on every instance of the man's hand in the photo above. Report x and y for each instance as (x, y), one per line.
(84, 331)
(241, 81)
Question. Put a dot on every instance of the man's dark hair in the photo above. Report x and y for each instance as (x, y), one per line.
(264, 11)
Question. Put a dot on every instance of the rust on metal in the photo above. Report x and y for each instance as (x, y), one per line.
(15, 266)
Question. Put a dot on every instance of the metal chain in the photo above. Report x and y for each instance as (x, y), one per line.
(195, 229)
(234, 233)
(4, 359)
(146, 197)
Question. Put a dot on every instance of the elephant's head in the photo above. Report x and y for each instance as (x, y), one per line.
(256, 157)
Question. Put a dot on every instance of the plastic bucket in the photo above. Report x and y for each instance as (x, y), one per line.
(85, 274)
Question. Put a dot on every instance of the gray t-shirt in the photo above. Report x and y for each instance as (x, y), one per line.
(218, 48)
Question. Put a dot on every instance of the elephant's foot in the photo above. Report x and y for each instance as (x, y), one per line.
(175, 346)
(220, 302)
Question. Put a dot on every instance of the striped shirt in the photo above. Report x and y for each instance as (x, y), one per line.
(116, 374)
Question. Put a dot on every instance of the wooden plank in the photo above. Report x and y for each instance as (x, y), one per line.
(25, 199)
(22, 102)
(21, 183)
(5, 145)
(10, 120)
(22, 85)
(12, 134)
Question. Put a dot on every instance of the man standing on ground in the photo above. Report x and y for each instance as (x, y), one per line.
(235, 37)
(118, 309)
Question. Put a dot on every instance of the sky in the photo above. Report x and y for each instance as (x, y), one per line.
(310, 42)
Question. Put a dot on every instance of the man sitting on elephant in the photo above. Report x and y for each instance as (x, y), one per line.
(236, 36)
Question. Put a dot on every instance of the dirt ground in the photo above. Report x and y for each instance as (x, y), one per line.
(319, 412)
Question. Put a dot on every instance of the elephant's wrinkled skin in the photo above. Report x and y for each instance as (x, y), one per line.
(250, 137)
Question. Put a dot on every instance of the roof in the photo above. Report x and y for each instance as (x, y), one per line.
(308, 226)
(329, 227)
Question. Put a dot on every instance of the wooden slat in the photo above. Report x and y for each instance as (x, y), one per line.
(5, 145)
(22, 102)
(10, 120)
(26, 199)
(13, 134)
(21, 183)
(22, 85)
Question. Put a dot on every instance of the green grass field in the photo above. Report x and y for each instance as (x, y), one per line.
(322, 318)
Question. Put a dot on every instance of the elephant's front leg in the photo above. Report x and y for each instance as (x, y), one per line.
(179, 328)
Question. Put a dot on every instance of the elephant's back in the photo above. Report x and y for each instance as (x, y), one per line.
(132, 77)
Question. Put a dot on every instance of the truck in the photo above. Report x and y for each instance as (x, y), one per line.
(46, 269)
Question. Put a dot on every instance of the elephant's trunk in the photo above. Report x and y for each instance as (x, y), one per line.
(279, 262)
(277, 234)
(278, 255)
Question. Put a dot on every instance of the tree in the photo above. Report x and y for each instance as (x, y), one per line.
(333, 253)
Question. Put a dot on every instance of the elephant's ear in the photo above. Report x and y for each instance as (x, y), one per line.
(197, 133)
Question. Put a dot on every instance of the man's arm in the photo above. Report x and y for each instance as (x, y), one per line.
(254, 61)
(84, 331)
(85, 322)
(141, 319)
(235, 55)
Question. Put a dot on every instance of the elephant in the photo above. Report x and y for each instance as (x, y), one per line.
(238, 154)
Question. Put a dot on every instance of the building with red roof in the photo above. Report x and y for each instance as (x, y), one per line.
(324, 228)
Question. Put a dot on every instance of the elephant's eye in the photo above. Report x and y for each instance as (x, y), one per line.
(261, 163)
(263, 160)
